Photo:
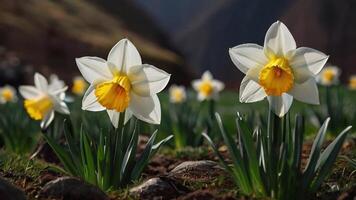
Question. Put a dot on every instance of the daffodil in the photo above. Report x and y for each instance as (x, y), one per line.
(279, 70)
(43, 100)
(329, 76)
(7, 94)
(79, 85)
(207, 87)
(123, 84)
(352, 82)
(177, 94)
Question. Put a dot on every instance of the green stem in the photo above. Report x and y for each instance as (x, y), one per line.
(274, 140)
(117, 149)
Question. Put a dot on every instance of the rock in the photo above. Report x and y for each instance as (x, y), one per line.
(158, 188)
(202, 171)
(70, 188)
(10, 192)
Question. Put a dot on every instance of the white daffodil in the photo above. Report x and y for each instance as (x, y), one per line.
(207, 87)
(56, 84)
(278, 70)
(79, 85)
(42, 100)
(177, 94)
(122, 83)
(352, 82)
(329, 76)
(7, 94)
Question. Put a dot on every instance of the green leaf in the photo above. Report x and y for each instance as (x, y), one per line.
(327, 159)
(310, 168)
(148, 152)
(140, 164)
(130, 153)
(73, 147)
(352, 162)
(63, 156)
(239, 165)
(250, 148)
(227, 168)
(88, 158)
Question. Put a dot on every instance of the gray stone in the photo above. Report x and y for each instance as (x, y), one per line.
(10, 192)
(70, 188)
(202, 171)
(157, 188)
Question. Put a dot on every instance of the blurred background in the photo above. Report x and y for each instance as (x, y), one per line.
(184, 37)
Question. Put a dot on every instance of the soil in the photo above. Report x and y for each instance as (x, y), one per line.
(164, 162)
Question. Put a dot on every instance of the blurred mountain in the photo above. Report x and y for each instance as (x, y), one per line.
(204, 30)
(50, 34)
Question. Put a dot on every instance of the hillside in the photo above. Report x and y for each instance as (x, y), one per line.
(50, 34)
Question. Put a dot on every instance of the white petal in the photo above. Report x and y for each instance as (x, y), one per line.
(250, 91)
(41, 82)
(278, 40)
(254, 73)
(207, 76)
(307, 62)
(59, 91)
(47, 120)
(29, 92)
(128, 115)
(114, 117)
(280, 104)
(60, 106)
(147, 80)
(124, 55)
(147, 109)
(93, 68)
(196, 84)
(90, 101)
(55, 84)
(247, 56)
(306, 92)
(202, 97)
(218, 85)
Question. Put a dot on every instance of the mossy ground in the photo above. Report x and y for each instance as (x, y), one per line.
(32, 174)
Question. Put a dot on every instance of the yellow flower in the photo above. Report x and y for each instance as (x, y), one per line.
(352, 82)
(330, 75)
(42, 100)
(279, 70)
(79, 85)
(177, 94)
(7, 94)
(122, 83)
(207, 87)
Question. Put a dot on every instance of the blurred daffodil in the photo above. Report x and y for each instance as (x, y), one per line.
(122, 83)
(329, 76)
(177, 94)
(279, 70)
(55, 83)
(207, 87)
(352, 82)
(7, 94)
(42, 100)
(79, 85)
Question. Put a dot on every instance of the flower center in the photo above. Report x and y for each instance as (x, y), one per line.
(7, 94)
(353, 83)
(177, 95)
(206, 88)
(276, 77)
(114, 94)
(38, 108)
(79, 86)
(329, 75)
